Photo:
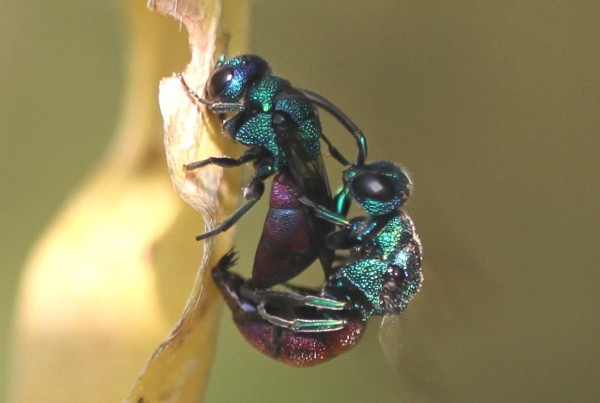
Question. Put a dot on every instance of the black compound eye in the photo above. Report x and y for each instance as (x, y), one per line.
(372, 186)
(218, 81)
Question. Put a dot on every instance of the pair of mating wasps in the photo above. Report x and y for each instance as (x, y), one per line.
(371, 263)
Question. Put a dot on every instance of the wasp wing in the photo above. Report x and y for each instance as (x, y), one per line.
(310, 176)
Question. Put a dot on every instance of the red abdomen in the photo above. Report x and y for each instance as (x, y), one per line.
(286, 247)
(299, 349)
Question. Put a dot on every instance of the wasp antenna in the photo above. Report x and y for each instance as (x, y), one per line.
(193, 94)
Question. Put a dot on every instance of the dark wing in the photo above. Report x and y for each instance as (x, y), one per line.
(310, 176)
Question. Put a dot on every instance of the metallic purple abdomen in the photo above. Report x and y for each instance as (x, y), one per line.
(296, 348)
(286, 247)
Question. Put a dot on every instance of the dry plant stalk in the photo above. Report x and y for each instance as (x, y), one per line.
(108, 280)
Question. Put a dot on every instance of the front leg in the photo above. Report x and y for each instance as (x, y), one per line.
(303, 325)
(324, 213)
(225, 162)
(352, 232)
(325, 317)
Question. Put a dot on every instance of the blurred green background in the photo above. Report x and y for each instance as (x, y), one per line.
(493, 107)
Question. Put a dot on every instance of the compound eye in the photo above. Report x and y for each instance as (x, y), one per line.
(376, 187)
(218, 81)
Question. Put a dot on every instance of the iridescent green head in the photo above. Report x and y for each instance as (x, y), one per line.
(232, 77)
(379, 187)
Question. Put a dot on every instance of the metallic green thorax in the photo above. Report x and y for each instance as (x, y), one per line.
(253, 126)
(397, 232)
(393, 245)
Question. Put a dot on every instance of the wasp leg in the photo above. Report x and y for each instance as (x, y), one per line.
(300, 297)
(252, 193)
(334, 152)
(324, 213)
(322, 310)
(358, 135)
(303, 325)
(224, 162)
